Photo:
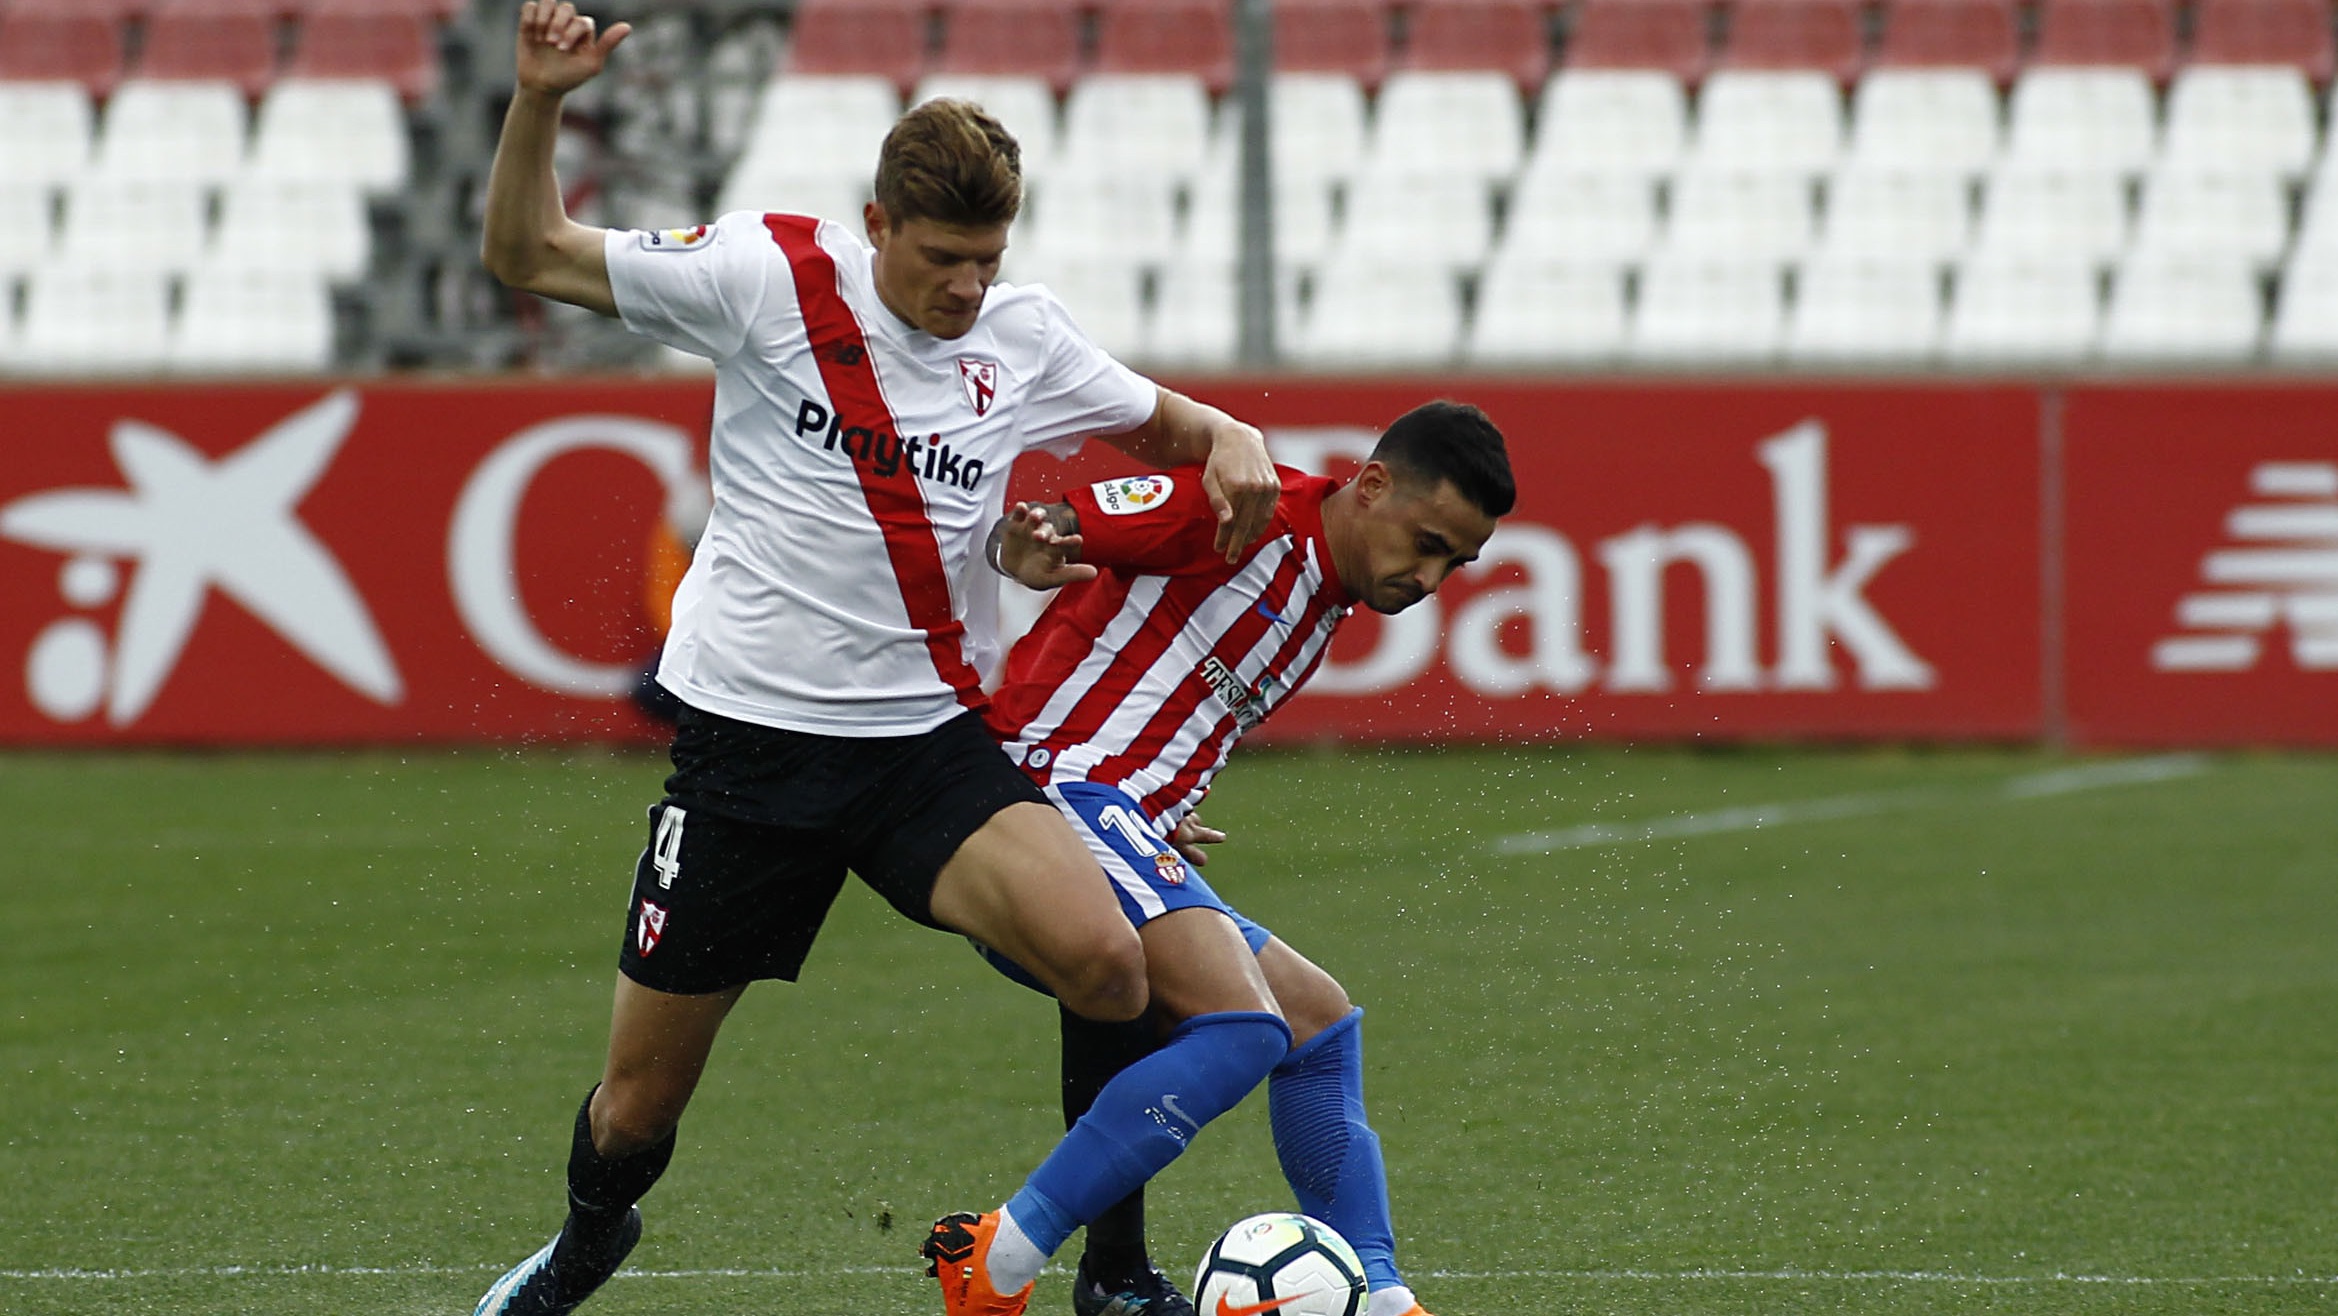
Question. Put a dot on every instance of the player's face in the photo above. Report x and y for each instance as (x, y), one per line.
(1409, 541)
(934, 275)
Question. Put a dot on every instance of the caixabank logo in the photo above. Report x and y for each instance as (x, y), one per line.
(285, 566)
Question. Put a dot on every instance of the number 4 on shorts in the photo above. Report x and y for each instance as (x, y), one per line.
(665, 853)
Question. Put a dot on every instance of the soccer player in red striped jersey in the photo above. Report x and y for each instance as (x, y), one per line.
(1123, 702)
(872, 388)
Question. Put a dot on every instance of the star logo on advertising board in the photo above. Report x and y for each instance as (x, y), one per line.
(188, 526)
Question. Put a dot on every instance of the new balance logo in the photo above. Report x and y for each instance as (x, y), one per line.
(2279, 565)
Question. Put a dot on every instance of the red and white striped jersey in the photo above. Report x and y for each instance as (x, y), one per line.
(857, 462)
(1144, 677)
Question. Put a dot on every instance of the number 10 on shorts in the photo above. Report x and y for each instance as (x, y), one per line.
(665, 853)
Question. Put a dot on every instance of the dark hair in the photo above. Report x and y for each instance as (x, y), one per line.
(1450, 441)
(950, 162)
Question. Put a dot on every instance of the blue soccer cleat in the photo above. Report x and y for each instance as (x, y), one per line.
(1151, 1294)
(555, 1281)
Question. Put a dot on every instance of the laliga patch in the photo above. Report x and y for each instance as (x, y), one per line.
(981, 378)
(1136, 493)
(674, 239)
(651, 929)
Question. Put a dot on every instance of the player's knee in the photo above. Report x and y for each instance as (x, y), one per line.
(1105, 981)
(629, 1118)
(1322, 1003)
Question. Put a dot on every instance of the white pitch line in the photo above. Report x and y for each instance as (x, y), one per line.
(1755, 817)
(1708, 1275)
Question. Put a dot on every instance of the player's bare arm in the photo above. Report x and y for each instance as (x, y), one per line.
(530, 242)
(1039, 546)
(1237, 474)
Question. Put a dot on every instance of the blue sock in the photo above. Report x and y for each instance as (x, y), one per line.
(1315, 1100)
(1145, 1117)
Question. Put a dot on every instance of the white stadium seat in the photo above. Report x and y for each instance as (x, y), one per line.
(134, 224)
(1582, 217)
(1601, 121)
(1905, 216)
(1155, 124)
(344, 130)
(1766, 216)
(1302, 218)
(1105, 297)
(50, 125)
(1696, 309)
(1372, 314)
(1025, 105)
(2240, 119)
(2053, 216)
(253, 320)
(1316, 128)
(2305, 318)
(317, 228)
(173, 131)
(1195, 321)
(818, 127)
(1464, 125)
(2178, 308)
(25, 227)
(1929, 120)
(1542, 312)
(2094, 120)
(2035, 310)
(1396, 218)
(1080, 216)
(83, 320)
(1750, 121)
(1866, 311)
(2242, 217)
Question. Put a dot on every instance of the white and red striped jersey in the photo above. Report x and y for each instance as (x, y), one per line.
(857, 463)
(1144, 677)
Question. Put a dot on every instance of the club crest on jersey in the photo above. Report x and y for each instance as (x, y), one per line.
(1169, 868)
(651, 928)
(674, 239)
(1135, 493)
(981, 378)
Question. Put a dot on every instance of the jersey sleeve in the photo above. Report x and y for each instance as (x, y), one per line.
(1160, 523)
(1081, 389)
(696, 289)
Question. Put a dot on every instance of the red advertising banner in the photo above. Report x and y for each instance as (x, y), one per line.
(2201, 565)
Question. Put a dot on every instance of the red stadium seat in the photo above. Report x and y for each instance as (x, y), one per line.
(1506, 36)
(37, 44)
(113, 10)
(1333, 36)
(1821, 35)
(1976, 34)
(195, 41)
(883, 37)
(1025, 38)
(439, 10)
(1167, 36)
(348, 39)
(1668, 35)
(270, 10)
(2137, 34)
(2292, 32)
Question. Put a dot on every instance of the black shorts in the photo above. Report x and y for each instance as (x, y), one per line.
(758, 827)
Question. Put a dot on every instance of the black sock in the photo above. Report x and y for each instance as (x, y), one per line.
(601, 1189)
(1092, 1054)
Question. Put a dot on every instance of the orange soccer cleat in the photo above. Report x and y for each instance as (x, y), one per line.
(957, 1253)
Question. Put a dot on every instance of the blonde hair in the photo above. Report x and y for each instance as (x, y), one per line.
(950, 162)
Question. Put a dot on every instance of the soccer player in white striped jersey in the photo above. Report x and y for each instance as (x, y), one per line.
(1123, 702)
(872, 388)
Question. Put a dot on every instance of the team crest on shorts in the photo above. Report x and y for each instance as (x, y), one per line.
(1136, 493)
(981, 378)
(650, 929)
(1169, 868)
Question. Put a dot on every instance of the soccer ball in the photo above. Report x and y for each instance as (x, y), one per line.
(1282, 1263)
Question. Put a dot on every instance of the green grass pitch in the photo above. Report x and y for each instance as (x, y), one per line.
(1950, 1033)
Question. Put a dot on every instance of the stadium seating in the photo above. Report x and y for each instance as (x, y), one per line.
(1183, 37)
(2295, 33)
(1395, 218)
(1941, 121)
(143, 225)
(84, 320)
(1135, 123)
(1024, 104)
(2305, 319)
(306, 225)
(1302, 218)
(1532, 311)
(1732, 215)
(1024, 38)
(50, 125)
(2135, 34)
(1980, 35)
(178, 131)
(1788, 123)
(886, 38)
(2096, 120)
(1447, 125)
(1631, 122)
(1698, 309)
(1874, 215)
(359, 39)
(2238, 218)
(26, 229)
(2180, 307)
(1870, 311)
(1556, 217)
(1667, 36)
(1347, 37)
(2009, 310)
(1104, 296)
(2029, 214)
(246, 319)
(61, 43)
(2226, 119)
(208, 41)
(1817, 35)
(1372, 313)
(817, 128)
(332, 130)
(1085, 217)
(1506, 36)
(1194, 319)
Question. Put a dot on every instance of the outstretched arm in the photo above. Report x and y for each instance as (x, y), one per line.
(530, 243)
(1239, 477)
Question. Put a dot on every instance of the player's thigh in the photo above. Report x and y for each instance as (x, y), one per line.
(1312, 1000)
(1196, 963)
(1024, 885)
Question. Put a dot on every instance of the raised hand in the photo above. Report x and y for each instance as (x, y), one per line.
(558, 49)
(1036, 551)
